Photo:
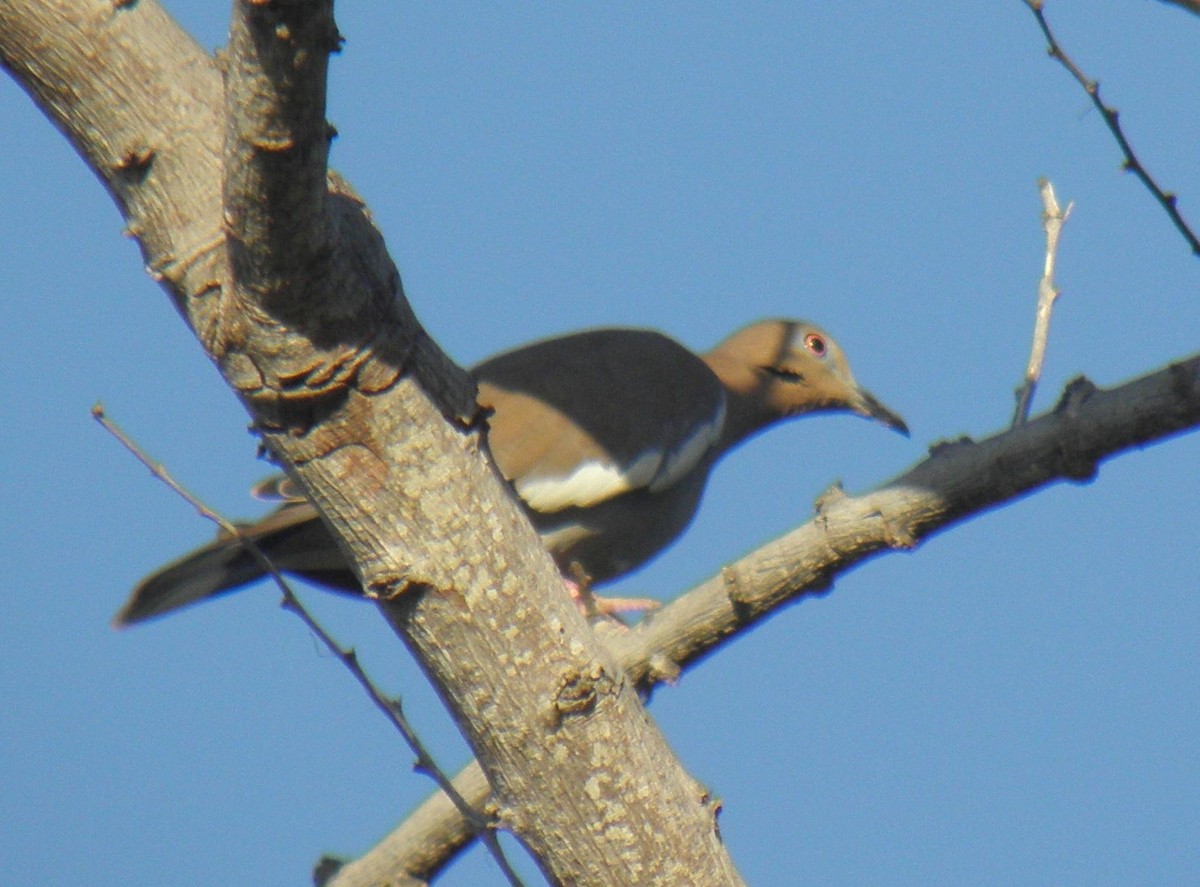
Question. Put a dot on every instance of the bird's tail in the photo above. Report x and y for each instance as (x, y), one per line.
(222, 566)
(292, 537)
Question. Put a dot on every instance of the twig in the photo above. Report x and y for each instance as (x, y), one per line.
(1053, 219)
(392, 708)
(1131, 163)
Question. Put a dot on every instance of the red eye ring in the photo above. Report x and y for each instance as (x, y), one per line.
(816, 344)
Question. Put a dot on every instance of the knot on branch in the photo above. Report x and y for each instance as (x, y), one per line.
(832, 496)
(134, 164)
(1078, 391)
(714, 806)
(579, 693)
(293, 388)
(897, 535)
(326, 869)
(736, 590)
(942, 448)
(1075, 466)
(662, 669)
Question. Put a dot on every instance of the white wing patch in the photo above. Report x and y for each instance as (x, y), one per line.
(593, 481)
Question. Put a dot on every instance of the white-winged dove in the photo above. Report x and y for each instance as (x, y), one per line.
(607, 437)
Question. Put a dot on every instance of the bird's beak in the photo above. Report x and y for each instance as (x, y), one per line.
(866, 405)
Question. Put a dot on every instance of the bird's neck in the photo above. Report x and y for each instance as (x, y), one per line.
(747, 411)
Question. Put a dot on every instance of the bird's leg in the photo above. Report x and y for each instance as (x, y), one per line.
(590, 604)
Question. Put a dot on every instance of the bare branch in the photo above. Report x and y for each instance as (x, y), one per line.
(1053, 219)
(1167, 199)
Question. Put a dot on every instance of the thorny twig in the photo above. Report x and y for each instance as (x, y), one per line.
(1111, 116)
(391, 707)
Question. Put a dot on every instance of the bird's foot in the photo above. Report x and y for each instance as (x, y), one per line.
(590, 604)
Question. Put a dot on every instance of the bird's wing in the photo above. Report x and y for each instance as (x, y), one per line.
(581, 419)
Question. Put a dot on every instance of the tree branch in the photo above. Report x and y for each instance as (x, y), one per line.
(1168, 200)
(1053, 219)
(307, 321)
(958, 481)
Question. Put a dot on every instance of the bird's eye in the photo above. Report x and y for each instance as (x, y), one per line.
(815, 344)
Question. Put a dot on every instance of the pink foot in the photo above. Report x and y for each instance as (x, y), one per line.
(591, 604)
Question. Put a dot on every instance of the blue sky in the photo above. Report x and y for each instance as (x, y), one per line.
(1014, 702)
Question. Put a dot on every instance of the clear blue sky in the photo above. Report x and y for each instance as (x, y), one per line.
(1015, 702)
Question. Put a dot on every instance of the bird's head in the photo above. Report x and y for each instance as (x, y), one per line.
(776, 369)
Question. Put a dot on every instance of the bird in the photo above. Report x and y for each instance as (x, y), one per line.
(606, 437)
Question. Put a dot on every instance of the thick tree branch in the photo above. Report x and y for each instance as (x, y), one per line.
(365, 411)
(957, 481)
